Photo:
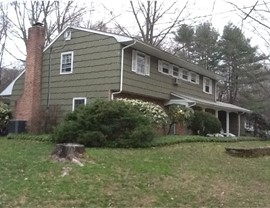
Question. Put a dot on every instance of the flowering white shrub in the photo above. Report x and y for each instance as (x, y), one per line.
(5, 115)
(178, 113)
(154, 112)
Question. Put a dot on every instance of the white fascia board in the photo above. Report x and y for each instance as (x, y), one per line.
(118, 38)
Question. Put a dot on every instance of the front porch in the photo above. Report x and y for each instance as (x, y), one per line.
(232, 117)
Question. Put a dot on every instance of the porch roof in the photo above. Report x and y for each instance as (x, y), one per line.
(217, 105)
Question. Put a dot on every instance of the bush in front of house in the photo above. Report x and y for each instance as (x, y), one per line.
(5, 115)
(179, 114)
(105, 124)
(203, 123)
(156, 114)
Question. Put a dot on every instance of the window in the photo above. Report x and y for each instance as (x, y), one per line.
(207, 85)
(66, 63)
(77, 101)
(194, 78)
(184, 74)
(164, 67)
(175, 71)
(67, 35)
(140, 63)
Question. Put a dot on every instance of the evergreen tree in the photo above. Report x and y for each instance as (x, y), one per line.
(199, 46)
(239, 60)
(206, 46)
(185, 38)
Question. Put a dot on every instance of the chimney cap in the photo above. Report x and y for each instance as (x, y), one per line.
(38, 24)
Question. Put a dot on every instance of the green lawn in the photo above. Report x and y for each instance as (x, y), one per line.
(180, 175)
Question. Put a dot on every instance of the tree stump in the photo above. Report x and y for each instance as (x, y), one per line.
(249, 152)
(68, 151)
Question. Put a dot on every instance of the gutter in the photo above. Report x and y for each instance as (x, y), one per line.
(122, 70)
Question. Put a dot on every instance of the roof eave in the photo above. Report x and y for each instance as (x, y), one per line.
(163, 55)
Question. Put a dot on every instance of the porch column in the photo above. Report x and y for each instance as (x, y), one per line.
(216, 113)
(239, 124)
(227, 123)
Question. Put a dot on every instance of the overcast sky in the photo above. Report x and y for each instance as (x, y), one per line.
(218, 12)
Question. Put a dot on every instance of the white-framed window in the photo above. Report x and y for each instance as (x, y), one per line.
(140, 63)
(164, 67)
(67, 35)
(194, 78)
(207, 85)
(175, 71)
(184, 74)
(66, 66)
(77, 101)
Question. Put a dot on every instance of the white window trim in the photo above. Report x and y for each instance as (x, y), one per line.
(78, 98)
(65, 53)
(187, 74)
(134, 63)
(210, 85)
(160, 67)
(197, 78)
(179, 71)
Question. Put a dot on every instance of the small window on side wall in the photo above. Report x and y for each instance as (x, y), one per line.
(207, 85)
(78, 101)
(140, 63)
(66, 66)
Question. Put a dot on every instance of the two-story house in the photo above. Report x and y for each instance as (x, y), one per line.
(81, 65)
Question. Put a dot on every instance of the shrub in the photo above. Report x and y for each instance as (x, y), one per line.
(203, 123)
(154, 112)
(5, 115)
(179, 113)
(105, 124)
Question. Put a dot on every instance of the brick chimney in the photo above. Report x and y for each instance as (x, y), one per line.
(28, 105)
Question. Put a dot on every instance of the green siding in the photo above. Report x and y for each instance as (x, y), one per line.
(17, 91)
(157, 84)
(96, 69)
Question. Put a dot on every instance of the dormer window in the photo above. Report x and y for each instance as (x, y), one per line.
(67, 35)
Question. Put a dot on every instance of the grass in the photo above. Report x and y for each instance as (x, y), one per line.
(180, 175)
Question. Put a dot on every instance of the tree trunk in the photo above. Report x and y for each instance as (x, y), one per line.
(68, 151)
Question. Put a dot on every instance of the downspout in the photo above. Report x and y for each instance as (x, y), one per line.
(49, 80)
(47, 111)
(122, 70)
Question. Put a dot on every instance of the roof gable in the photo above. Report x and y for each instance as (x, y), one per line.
(118, 38)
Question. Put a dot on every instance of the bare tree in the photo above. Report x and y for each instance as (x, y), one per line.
(7, 76)
(4, 24)
(148, 16)
(54, 15)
